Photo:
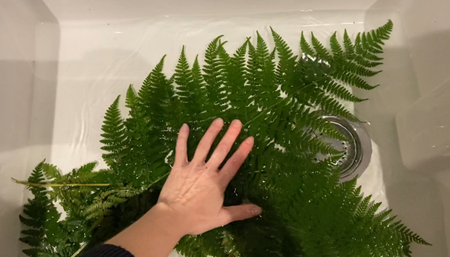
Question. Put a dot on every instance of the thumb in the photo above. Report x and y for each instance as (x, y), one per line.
(239, 212)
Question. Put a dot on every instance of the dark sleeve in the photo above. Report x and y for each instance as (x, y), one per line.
(106, 250)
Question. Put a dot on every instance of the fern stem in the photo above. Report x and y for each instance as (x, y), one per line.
(46, 184)
(264, 111)
(159, 179)
(79, 250)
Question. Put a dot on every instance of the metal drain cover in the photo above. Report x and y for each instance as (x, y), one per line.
(357, 148)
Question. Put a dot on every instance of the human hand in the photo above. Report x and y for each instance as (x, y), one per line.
(194, 190)
(191, 201)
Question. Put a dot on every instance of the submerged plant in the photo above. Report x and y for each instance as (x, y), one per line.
(280, 98)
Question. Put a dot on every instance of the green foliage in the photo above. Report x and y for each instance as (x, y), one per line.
(280, 97)
(46, 235)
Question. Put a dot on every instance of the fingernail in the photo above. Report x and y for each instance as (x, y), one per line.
(250, 140)
(256, 210)
(218, 121)
(184, 127)
(236, 123)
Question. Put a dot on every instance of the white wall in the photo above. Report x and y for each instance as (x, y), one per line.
(427, 25)
(425, 138)
(18, 21)
(66, 10)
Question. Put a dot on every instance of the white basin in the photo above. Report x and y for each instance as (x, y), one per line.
(63, 62)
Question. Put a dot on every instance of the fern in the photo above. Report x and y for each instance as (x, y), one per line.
(113, 132)
(280, 97)
(46, 235)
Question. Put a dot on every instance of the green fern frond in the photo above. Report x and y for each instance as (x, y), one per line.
(29, 222)
(261, 48)
(201, 95)
(382, 216)
(152, 99)
(320, 49)
(273, 53)
(152, 80)
(331, 106)
(233, 94)
(305, 47)
(261, 70)
(183, 78)
(113, 134)
(360, 49)
(212, 70)
(373, 208)
(31, 232)
(407, 235)
(336, 47)
(86, 168)
(373, 41)
(31, 241)
(282, 48)
(82, 175)
(197, 74)
(44, 233)
(370, 45)
(291, 173)
(131, 98)
(353, 80)
(37, 174)
(333, 88)
(151, 122)
(363, 206)
(359, 59)
(360, 70)
(103, 203)
(51, 171)
(349, 46)
(305, 118)
(286, 63)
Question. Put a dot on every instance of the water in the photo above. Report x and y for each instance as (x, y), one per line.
(82, 66)
(97, 60)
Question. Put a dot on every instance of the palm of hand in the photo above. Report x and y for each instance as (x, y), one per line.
(195, 190)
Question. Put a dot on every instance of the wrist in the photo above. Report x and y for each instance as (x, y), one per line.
(155, 234)
(166, 220)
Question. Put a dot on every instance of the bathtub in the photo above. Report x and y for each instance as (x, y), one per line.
(63, 62)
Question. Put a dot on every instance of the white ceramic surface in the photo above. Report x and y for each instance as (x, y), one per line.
(62, 62)
(424, 132)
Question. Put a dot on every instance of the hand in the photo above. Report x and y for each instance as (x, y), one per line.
(194, 190)
(191, 201)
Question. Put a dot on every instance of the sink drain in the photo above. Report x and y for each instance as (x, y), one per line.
(357, 148)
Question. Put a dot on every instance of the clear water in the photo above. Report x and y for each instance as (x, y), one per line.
(83, 66)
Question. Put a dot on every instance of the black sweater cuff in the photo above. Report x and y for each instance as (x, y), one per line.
(106, 250)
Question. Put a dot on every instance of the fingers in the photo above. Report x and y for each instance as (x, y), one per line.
(206, 142)
(181, 148)
(239, 212)
(234, 163)
(225, 144)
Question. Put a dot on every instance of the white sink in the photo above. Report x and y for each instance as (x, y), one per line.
(63, 62)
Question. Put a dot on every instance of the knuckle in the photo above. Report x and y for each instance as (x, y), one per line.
(227, 218)
(224, 148)
(203, 145)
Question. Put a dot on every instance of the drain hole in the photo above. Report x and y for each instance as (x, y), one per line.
(353, 152)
